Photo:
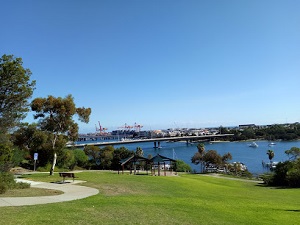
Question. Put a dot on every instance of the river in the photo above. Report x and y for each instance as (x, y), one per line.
(240, 151)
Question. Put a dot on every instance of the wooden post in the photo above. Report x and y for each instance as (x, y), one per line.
(158, 167)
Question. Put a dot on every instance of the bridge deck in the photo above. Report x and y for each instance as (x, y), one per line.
(130, 141)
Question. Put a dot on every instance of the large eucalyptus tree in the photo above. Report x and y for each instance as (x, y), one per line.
(56, 117)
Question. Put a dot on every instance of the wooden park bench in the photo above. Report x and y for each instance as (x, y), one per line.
(64, 175)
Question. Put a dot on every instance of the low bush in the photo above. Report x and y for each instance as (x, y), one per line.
(267, 178)
(3, 188)
(7, 182)
(285, 174)
(45, 168)
(8, 179)
(22, 185)
(181, 166)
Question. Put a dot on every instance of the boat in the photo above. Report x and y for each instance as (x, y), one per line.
(272, 143)
(253, 145)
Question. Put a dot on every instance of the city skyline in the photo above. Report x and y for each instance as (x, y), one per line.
(162, 64)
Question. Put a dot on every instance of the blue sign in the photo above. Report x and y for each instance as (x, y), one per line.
(35, 156)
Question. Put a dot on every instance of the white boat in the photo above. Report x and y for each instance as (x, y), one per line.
(272, 143)
(253, 145)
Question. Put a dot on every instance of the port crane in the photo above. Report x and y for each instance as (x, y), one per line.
(126, 127)
(101, 129)
(137, 127)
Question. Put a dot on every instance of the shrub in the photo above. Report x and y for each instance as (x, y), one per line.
(6, 182)
(181, 166)
(18, 156)
(267, 178)
(3, 188)
(66, 159)
(280, 172)
(81, 158)
(45, 168)
(285, 174)
(22, 185)
(6, 153)
(7, 178)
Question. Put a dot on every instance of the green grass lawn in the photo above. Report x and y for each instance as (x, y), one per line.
(185, 199)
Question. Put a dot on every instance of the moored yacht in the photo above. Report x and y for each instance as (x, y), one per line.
(272, 143)
(253, 145)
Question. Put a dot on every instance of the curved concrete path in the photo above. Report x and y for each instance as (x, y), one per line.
(71, 192)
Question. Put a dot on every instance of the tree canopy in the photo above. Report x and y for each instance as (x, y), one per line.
(293, 153)
(270, 154)
(15, 90)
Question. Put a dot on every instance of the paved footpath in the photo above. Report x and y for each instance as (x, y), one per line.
(71, 192)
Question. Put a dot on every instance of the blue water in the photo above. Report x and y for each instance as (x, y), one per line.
(240, 151)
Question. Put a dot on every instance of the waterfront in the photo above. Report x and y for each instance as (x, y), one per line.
(240, 151)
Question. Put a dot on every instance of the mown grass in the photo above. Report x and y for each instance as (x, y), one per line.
(186, 199)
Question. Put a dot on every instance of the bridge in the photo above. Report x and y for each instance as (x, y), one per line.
(156, 141)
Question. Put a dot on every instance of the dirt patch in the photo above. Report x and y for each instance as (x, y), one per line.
(31, 192)
(19, 170)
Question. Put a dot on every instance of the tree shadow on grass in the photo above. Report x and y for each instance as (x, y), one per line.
(292, 210)
(274, 187)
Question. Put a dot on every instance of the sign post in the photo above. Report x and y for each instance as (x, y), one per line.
(35, 157)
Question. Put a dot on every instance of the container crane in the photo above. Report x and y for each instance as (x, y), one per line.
(101, 129)
(126, 127)
(137, 127)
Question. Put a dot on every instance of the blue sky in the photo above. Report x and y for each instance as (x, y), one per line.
(162, 63)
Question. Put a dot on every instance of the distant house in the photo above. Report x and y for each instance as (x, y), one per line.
(245, 126)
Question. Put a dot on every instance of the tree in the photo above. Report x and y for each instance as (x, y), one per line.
(15, 90)
(198, 156)
(106, 156)
(66, 159)
(225, 158)
(93, 152)
(201, 148)
(248, 133)
(81, 158)
(29, 139)
(139, 151)
(271, 155)
(293, 153)
(119, 154)
(56, 117)
(6, 155)
(212, 157)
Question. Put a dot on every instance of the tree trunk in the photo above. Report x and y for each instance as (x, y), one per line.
(134, 167)
(53, 165)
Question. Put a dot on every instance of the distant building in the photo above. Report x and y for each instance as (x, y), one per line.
(245, 126)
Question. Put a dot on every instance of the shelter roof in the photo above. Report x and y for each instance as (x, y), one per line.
(134, 158)
(159, 158)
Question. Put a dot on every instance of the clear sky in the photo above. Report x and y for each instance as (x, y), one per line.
(162, 63)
